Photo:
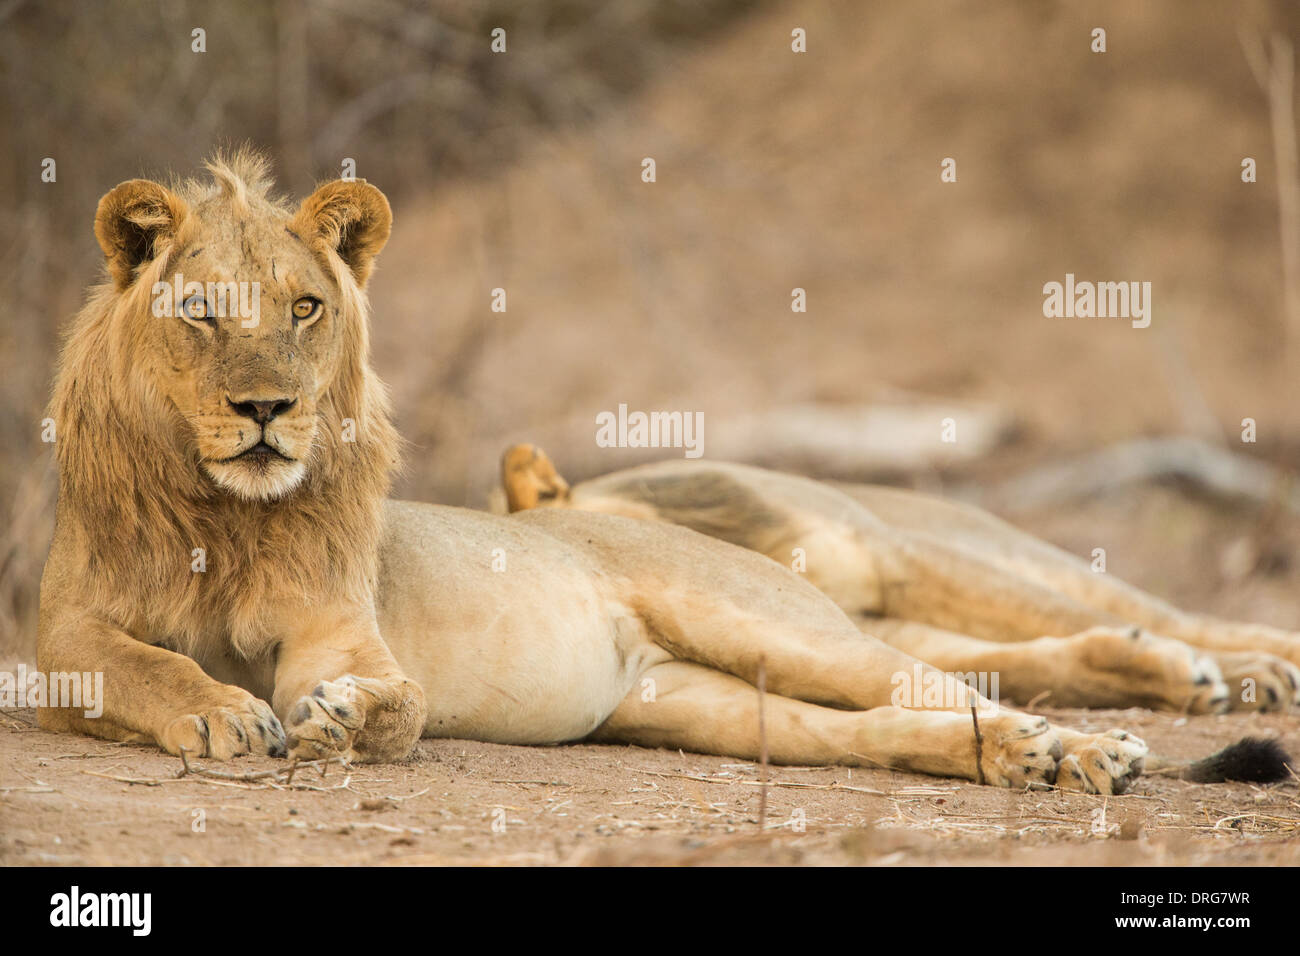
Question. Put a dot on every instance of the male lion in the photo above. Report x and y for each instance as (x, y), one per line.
(225, 555)
(949, 584)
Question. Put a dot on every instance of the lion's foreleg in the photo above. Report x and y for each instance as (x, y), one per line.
(339, 691)
(151, 693)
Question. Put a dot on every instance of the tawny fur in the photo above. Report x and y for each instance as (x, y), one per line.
(137, 515)
(949, 584)
(163, 538)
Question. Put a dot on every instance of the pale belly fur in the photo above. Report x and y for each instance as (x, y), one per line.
(512, 634)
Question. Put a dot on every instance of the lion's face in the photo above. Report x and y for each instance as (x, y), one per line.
(248, 318)
(249, 353)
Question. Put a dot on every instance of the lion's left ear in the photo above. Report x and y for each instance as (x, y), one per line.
(351, 218)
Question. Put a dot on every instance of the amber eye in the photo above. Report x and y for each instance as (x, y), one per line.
(306, 309)
(196, 309)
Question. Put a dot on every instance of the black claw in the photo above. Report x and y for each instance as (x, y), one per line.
(273, 737)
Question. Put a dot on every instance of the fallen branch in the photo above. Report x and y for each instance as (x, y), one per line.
(1215, 470)
(254, 776)
(138, 781)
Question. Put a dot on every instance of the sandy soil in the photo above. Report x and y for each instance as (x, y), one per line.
(66, 800)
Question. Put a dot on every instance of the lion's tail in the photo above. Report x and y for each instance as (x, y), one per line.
(1250, 760)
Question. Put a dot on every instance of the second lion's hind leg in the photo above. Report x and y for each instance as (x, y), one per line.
(696, 708)
(1101, 667)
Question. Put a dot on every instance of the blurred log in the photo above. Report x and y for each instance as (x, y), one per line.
(1210, 468)
(835, 441)
(882, 442)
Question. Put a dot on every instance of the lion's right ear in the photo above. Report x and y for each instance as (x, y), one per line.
(350, 218)
(132, 220)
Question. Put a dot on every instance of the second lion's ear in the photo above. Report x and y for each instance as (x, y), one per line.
(132, 222)
(349, 218)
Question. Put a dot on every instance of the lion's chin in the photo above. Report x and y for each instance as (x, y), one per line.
(256, 481)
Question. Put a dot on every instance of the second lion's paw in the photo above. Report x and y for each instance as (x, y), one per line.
(1101, 763)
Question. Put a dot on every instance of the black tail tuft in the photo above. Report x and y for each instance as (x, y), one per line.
(1250, 760)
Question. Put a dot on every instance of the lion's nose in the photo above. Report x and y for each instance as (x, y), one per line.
(262, 410)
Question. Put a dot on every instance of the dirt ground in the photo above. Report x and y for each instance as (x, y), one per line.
(76, 801)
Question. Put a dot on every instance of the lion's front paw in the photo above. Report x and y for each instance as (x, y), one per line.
(325, 723)
(243, 726)
(1100, 763)
(1019, 751)
(1113, 667)
(1259, 681)
(358, 718)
